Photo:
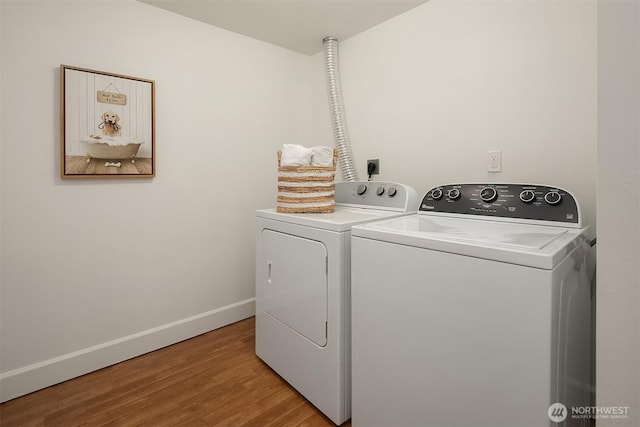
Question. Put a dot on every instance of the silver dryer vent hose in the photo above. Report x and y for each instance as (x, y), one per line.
(336, 106)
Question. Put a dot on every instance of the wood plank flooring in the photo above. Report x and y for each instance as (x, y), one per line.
(78, 165)
(214, 379)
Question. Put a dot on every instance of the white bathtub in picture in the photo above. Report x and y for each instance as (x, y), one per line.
(111, 148)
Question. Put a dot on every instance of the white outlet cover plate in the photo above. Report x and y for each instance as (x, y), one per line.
(494, 161)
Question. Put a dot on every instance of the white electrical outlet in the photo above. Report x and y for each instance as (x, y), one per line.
(494, 161)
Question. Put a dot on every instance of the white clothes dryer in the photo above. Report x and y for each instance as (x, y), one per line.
(473, 312)
(303, 273)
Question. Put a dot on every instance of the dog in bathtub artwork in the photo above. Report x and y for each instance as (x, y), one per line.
(107, 124)
(110, 145)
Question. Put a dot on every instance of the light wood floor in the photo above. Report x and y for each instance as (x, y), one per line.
(79, 165)
(214, 379)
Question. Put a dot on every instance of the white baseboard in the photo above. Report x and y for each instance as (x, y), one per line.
(34, 377)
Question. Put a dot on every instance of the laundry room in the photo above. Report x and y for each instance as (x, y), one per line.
(96, 270)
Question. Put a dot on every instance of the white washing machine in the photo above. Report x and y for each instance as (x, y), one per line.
(303, 290)
(473, 312)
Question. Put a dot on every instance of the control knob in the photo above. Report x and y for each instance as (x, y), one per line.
(527, 196)
(488, 194)
(453, 194)
(436, 193)
(380, 191)
(392, 191)
(552, 197)
(361, 189)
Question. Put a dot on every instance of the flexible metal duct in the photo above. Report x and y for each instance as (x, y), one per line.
(343, 145)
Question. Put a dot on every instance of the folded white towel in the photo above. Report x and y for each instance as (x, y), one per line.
(295, 155)
(322, 156)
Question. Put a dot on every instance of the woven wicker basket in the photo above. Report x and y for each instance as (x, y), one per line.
(306, 189)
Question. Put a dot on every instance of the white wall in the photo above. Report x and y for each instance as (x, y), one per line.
(431, 91)
(618, 309)
(96, 271)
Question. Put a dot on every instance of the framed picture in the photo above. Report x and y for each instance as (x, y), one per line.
(107, 125)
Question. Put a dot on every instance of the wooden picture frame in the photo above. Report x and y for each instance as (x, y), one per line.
(107, 125)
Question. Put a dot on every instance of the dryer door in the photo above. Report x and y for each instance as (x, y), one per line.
(293, 286)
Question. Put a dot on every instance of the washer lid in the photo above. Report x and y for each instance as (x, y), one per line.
(488, 233)
(524, 244)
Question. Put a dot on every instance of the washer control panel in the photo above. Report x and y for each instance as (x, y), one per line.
(376, 194)
(514, 201)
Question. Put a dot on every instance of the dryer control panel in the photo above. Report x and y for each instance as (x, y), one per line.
(377, 195)
(504, 201)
